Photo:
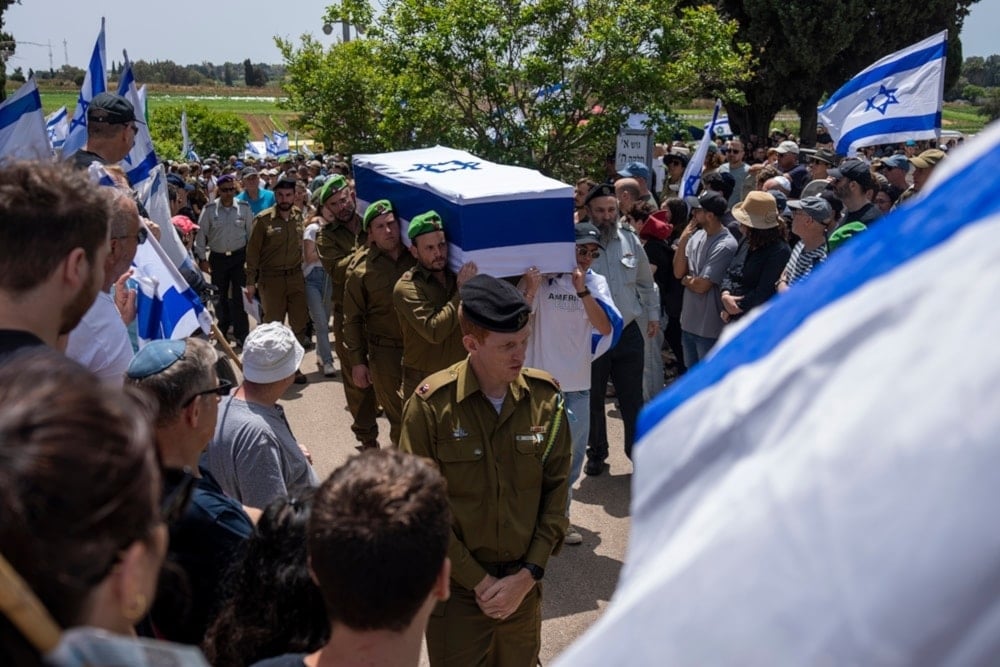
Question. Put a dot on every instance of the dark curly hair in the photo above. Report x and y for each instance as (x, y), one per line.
(271, 605)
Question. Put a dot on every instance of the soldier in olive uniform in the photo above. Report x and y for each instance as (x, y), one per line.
(499, 435)
(341, 236)
(372, 335)
(426, 301)
(274, 263)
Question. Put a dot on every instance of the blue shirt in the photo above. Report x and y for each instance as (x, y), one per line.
(265, 200)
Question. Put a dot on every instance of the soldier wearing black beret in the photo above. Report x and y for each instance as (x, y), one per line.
(493, 426)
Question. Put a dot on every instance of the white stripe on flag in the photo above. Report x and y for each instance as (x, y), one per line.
(897, 98)
(94, 83)
(22, 126)
(822, 489)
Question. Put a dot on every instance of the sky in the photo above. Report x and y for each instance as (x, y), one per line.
(191, 32)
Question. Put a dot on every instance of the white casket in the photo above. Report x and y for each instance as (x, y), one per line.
(505, 219)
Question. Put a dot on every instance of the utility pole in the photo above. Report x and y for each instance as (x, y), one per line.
(65, 52)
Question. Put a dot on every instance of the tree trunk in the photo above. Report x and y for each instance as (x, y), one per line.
(807, 123)
(751, 123)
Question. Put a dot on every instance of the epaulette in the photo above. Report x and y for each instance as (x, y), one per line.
(434, 382)
(539, 374)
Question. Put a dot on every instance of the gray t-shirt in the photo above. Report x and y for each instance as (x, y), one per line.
(708, 257)
(254, 456)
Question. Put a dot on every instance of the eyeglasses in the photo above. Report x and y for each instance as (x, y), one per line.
(140, 237)
(221, 390)
(583, 252)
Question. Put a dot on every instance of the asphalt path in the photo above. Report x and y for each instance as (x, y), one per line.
(579, 581)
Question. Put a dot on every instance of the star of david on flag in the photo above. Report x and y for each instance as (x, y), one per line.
(895, 99)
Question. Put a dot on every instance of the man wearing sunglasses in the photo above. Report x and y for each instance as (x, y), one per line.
(207, 527)
(111, 130)
(100, 342)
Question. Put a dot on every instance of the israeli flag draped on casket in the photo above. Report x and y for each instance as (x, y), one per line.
(505, 219)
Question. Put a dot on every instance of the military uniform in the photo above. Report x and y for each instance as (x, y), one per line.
(428, 318)
(274, 264)
(225, 231)
(371, 329)
(508, 479)
(337, 246)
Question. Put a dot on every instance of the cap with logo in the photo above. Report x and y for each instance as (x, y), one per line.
(424, 223)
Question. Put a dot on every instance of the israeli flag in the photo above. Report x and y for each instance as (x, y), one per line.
(185, 139)
(94, 83)
(142, 158)
(720, 128)
(823, 488)
(22, 126)
(250, 149)
(691, 182)
(280, 144)
(56, 126)
(152, 192)
(270, 149)
(896, 99)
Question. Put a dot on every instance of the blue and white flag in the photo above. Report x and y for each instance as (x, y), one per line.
(57, 126)
(720, 128)
(22, 126)
(142, 158)
(896, 99)
(185, 139)
(280, 144)
(822, 489)
(691, 182)
(94, 83)
(152, 192)
(270, 149)
(251, 150)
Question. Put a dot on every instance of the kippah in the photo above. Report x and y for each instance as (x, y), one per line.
(381, 207)
(493, 304)
(332, 185)
(155, 357)
(602, 190)
(423, 224)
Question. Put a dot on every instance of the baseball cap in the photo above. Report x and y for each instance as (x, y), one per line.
(635, 169)
(587, 233)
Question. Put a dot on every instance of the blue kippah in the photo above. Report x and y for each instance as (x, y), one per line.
(155, 357)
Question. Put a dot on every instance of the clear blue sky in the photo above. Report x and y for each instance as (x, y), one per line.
(216, 31)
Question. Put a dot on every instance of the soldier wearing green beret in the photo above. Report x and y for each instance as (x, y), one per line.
(341, 236)
(498, 433)
(426, 300)
(372, 334)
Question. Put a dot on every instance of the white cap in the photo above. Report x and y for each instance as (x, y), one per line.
(271, 353)
(788, 147)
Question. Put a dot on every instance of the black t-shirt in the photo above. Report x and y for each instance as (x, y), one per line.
(82, 159)
(867, 214)
(12, 340)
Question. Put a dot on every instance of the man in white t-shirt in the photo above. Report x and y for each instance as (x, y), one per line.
(574, 322)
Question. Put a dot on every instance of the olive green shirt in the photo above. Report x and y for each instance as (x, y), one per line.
(336, 246)
(428, 317)
(368, 309)
(275, 245)
(508, 473)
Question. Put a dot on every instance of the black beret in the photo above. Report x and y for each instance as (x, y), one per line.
(494, 304)
(602, 190)
(111, 109)
(284, 183)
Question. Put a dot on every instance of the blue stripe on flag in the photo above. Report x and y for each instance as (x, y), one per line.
(894, 240)
(491, 222)
(157, 319)
(616, 327)
(17, 108)
(885, 126)
(141, 171)
(880, 74)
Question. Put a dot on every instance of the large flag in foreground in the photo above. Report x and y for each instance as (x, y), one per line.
(94, 82)
(22, 126)
(692, 174)
(822, 489)
(898, 98)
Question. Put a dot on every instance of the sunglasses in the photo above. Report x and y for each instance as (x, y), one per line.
(221, 390)
(583, 252)
(140, 237)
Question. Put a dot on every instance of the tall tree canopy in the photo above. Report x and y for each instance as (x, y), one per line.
(805, 51)
(543, 83)
(7, 45)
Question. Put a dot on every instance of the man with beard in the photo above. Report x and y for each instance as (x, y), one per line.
(100, 342)
(341, 235)
(426, 300)
(274, 264)
(372, 334)
(54, 229)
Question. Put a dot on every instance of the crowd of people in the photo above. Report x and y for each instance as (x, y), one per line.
(186, 510)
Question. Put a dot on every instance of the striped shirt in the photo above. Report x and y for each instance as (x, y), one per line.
(802, 261)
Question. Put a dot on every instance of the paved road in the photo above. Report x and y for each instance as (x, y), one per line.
(578, 582)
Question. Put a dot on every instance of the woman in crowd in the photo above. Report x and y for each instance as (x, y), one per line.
(273, 607)
(318, 295)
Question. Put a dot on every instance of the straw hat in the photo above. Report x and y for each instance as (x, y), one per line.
(759, 211)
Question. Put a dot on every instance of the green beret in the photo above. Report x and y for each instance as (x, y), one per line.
(423, 224)
(381, 207)
(494, 304)
(333, 185)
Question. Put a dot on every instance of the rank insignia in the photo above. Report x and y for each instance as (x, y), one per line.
(459, 433)
(537, 429)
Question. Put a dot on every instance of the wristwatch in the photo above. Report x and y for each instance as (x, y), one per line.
(585, 292)
(536, 572)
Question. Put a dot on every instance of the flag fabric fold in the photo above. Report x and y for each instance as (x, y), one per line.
(142, 158)
(94, 83)
(23, 134)
(820, 490)
(691, 182)
(899, 97)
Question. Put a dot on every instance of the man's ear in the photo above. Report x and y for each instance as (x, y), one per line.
(413, 249)
(75, 269)
(470, 343)
(442, 585)
(192, 414)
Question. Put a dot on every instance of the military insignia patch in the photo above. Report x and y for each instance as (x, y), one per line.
(423, 390)
(538, 429)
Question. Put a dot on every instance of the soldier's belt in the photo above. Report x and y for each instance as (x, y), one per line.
(503, 569)
(385, 341)
(281, 272)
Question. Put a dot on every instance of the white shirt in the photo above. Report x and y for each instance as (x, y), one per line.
(310, 235)
(100, 341)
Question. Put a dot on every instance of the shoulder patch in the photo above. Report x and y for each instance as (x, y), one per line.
(539, 374)
(434, 382)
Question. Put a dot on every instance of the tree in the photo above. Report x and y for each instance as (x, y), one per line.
(248, 72)
(211, 132)
(7, 46)
(805, 51)
(542, 83)
(18, 75)
(227, 76)
(991, 105)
